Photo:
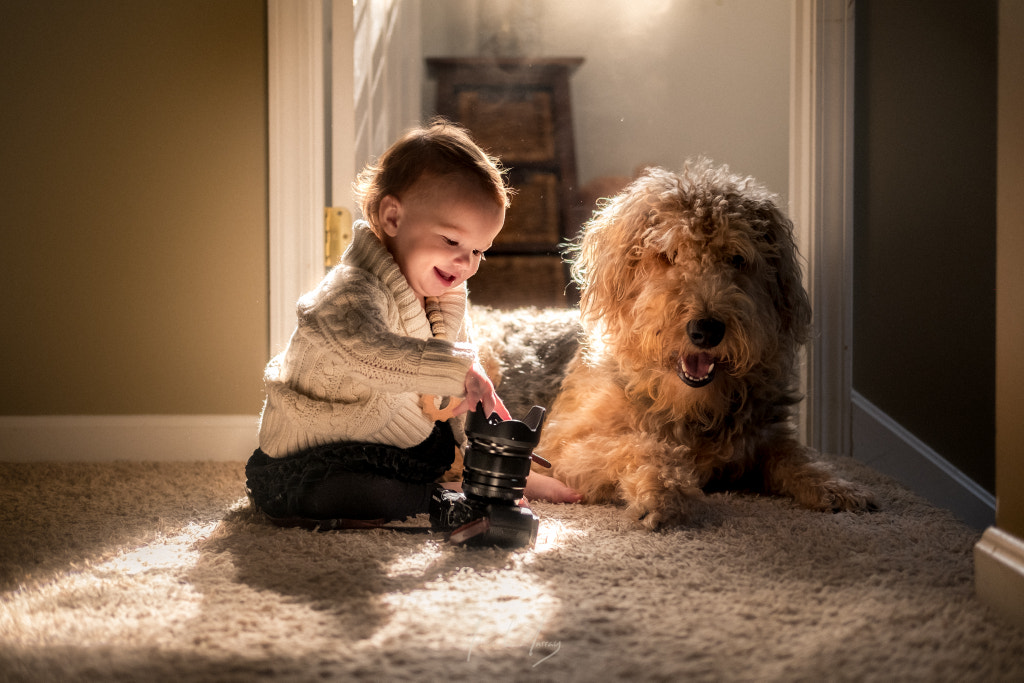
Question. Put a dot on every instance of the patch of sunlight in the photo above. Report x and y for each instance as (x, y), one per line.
(464, 604)
(174, 551)
(416, 563)
(138, 594)
(490, 606)
(554, 533)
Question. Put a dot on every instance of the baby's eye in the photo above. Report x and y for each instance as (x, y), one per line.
(449, 242)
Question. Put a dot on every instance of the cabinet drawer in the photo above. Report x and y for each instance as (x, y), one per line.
(513, 281)
(514, 125)
(532, 221)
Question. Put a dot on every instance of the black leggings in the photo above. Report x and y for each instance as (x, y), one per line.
(358, 481)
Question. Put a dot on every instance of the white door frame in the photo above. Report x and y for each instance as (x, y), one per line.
(821, 206)
(295, 86)
(820, 182)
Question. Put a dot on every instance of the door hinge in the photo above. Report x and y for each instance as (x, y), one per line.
(337, 234)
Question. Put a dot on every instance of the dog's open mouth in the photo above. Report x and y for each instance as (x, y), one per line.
(696, 369)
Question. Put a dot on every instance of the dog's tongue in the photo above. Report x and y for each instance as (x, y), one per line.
(698, 365)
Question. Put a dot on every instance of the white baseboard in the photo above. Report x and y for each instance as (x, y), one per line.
(999, 573)
(104, 438)
(882, 443)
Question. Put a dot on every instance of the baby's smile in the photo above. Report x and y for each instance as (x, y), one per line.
(449, 280)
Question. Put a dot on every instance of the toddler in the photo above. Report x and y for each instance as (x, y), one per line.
(349, 434)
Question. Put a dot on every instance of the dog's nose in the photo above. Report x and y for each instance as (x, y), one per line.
(706, 333)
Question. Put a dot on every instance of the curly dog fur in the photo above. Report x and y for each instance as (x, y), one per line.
(693, 313)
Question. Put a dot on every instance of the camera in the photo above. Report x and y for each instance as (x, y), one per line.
(495, 466)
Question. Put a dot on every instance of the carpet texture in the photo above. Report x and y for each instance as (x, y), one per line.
(160, 572)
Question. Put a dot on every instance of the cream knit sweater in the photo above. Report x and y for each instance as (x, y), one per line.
(361, 356)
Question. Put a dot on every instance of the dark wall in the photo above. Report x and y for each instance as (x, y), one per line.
(924, 216)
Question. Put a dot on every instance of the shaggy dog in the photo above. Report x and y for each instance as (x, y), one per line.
(693, 313)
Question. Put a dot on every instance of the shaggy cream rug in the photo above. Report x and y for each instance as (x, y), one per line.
(142, 572)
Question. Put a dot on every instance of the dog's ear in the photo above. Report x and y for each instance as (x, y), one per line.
(790, 296)
(606, 258)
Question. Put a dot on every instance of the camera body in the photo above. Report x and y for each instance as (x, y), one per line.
(495, 466)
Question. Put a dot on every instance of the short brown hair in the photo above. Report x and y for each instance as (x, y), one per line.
(440, 149)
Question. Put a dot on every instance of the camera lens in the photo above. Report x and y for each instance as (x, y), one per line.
(497, 461)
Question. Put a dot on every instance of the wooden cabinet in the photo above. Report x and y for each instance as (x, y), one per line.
(518, 109)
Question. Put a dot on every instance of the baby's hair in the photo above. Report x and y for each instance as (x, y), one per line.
(440, 149)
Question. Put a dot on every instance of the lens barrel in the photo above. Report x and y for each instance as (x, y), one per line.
(498, 459)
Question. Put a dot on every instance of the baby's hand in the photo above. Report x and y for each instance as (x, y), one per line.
(480, 390)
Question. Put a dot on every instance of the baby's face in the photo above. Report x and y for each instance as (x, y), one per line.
(438, 232)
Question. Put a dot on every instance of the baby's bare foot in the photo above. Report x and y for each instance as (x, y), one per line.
(543, 487)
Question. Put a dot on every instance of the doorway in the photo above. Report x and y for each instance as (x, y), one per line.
(384, 95)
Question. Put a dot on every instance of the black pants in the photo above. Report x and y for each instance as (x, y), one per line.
(358, 481)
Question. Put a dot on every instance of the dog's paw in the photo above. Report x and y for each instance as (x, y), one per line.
(654, 520)
(665, 512)
(839, 495)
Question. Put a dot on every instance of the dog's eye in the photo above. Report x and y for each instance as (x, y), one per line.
(738, 262)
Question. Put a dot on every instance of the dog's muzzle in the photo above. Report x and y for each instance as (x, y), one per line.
(698, 369)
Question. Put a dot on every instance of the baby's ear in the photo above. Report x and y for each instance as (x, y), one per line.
(389, 212)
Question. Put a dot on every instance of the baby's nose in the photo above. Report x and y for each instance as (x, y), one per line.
(464, 259)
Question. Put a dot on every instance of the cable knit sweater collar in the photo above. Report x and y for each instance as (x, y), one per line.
(368, 253)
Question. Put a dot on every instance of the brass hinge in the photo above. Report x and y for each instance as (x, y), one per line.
(337, 234)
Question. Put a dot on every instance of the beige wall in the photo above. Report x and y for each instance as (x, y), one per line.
(133, 205)
(1010, 274)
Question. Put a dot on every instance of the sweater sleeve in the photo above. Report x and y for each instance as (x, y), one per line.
(356, 326)
(350, 374)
